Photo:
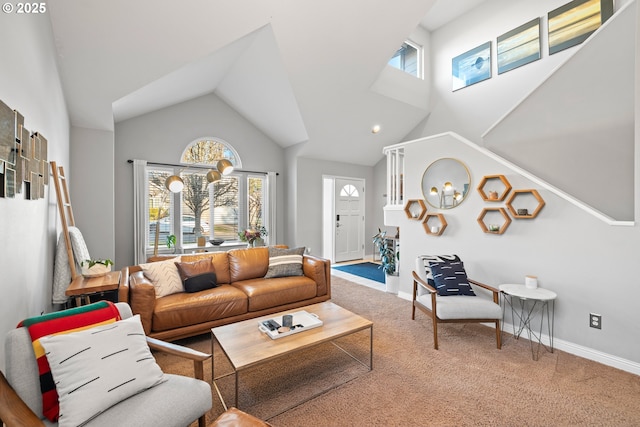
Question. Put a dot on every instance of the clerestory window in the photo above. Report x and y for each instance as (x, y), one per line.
(408, 58)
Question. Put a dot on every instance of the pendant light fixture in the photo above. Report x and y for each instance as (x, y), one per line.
(225, 166)
(213, 176)
(174, 184)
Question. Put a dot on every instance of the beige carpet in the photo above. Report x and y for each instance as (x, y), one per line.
(467, 382)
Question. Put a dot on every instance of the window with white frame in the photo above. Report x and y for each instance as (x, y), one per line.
(218, 209)
(408, 58)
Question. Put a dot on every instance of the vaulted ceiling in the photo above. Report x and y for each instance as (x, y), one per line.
(302, 71)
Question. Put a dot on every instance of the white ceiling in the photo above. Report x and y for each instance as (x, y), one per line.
(299, 70)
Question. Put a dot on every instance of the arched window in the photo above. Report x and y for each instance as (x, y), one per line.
(349, 191)
(207, 151)
(205, 208)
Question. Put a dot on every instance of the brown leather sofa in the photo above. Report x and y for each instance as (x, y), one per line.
(243, 293)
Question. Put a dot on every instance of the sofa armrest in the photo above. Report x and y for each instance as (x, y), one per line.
(319, 270)
(142, 299)
(123, 286)
(13, 410)
(198, 357)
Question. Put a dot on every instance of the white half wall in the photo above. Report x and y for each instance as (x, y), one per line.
(588, 263)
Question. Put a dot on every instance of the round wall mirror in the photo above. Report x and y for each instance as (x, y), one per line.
(446, 183)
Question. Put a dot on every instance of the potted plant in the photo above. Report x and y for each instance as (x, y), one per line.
(171, 242)
(95, 267)
(388, 260)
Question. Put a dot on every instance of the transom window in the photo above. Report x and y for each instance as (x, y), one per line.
(349, 191)
(213, 210)
(408, 58)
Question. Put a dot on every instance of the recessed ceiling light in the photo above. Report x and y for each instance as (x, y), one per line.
(375, 129)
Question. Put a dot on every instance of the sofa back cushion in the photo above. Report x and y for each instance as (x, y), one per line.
(250, 263)
(220, 262)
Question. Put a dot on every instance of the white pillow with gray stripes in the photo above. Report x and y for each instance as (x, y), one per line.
(96, 368)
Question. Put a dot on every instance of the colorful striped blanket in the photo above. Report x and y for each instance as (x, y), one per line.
(63, 322)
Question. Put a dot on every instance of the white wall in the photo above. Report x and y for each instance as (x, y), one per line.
(590, 90)
(29, 83)
(308, 204)
(162, 136)
(91, 155)
(583, 112)
(587, 262)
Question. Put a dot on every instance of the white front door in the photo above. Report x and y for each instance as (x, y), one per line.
(349, 219)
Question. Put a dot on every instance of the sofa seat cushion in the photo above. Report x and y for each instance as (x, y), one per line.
(185, 309)
(268, 293)
(463, 306)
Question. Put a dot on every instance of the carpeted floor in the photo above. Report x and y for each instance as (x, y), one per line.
(368, 270)
(467, 382)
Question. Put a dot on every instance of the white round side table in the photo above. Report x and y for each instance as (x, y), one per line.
(526, 304)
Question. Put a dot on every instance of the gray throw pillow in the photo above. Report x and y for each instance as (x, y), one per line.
(285, 262)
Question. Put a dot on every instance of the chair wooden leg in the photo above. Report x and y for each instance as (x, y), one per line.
(435, 333)
(413, 300)
(498, 335)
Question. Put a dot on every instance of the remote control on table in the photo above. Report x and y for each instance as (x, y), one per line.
(271, 324)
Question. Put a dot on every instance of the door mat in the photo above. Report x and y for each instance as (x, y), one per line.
(368, 270)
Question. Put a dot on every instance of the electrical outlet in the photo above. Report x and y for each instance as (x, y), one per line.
(595, 320)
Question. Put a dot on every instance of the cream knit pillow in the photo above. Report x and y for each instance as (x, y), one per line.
(164, 276)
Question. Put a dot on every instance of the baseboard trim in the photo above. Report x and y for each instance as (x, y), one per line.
(572, 348)
(598, 356)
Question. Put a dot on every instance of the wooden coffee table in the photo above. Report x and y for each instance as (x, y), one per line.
(245, 346)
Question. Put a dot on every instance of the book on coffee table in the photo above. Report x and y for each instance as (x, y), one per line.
(302, 321)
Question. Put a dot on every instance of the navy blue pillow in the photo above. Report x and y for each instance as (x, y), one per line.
(451, 279)
(429, 259)
(200, 282)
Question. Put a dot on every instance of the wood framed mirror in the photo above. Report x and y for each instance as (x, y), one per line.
(446, 183)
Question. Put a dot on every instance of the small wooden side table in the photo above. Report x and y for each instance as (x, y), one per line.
(81, 288)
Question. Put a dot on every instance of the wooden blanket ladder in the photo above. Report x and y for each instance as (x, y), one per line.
(66, 212)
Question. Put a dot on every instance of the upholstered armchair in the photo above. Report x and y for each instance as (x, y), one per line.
(174, 401)
(463, 301)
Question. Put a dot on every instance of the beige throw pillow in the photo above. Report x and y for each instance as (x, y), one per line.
(164, 276)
